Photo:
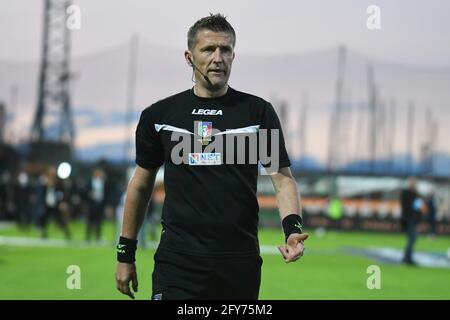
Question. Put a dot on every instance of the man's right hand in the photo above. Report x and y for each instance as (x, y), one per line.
(125, 273)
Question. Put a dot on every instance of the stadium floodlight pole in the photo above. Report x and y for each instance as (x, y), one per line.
(54, 77)
(52, 133)
(410, 137)
(336, 120)
(373, 102)
(303, 123)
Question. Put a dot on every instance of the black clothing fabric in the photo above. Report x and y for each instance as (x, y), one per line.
(409, 213)
(209, 210)
(179, 276)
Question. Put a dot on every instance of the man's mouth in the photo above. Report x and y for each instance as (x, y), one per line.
(216, 71)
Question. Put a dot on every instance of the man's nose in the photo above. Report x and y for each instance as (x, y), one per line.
(217, 56)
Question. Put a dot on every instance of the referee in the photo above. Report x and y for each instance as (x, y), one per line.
(209, 243)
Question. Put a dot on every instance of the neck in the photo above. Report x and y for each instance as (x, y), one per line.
(203, 92)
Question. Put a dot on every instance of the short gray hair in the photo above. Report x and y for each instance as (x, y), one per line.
(214, 22)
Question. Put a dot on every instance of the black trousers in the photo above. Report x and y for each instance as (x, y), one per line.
(185, 277)
(95, 219)
(53, 212)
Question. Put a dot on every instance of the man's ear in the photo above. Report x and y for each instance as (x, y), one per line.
(187, 56)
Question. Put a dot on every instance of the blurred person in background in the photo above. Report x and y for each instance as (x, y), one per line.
(8, 206)
(3, 196)
(431, 206)
(97, 202)
(2, 199)
(412, 209)
(65, 206)
(79, 198)
(37, 199)
(54, 207)
(22, 200)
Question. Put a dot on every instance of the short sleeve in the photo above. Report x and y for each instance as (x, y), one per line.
(149, 149)
(269, 122)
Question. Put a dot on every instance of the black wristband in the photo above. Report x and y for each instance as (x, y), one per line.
(292, 223)
(126, 250)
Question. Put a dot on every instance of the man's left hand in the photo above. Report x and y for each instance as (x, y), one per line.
(294, 247)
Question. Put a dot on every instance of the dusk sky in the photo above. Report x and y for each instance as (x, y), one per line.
(413, 33)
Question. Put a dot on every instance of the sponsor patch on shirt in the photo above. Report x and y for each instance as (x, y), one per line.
(205, 159)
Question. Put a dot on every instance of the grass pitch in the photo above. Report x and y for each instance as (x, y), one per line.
(39, 271)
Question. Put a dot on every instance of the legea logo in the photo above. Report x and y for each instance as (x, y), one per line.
(208, 112)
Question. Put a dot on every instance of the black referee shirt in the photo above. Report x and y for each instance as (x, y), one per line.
(210, 208)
